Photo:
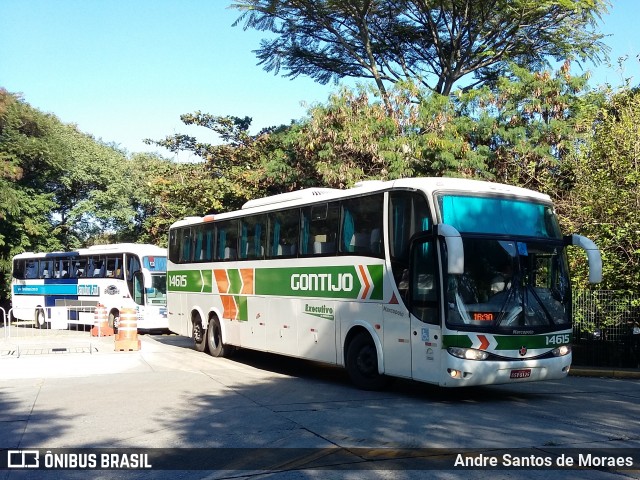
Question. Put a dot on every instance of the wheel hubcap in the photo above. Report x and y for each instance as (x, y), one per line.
(367, 362)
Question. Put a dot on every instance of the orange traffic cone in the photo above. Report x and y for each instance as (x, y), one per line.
(101, 327)
(127, 337)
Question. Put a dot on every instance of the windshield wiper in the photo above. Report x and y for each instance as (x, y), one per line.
(542, 305)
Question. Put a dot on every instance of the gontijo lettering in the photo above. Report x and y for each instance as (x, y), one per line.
(323, 282)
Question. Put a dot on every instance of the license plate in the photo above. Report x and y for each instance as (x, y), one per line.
(525, 373)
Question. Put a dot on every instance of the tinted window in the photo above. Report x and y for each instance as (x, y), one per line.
(284, 229)
(362, 225)
(319, 231)
(227, 246)
(253, 233)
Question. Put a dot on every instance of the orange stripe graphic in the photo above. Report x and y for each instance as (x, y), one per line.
(229, 306)
(367, 285)
(247, 281)
(221, 280)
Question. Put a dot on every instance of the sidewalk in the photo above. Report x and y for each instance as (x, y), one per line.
(613, 372)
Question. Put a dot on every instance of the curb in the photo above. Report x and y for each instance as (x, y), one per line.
(604, 372)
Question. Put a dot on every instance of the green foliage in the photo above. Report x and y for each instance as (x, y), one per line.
(94, 192)
(432, 42)
(518, 132)
(226, 175)
(605, 200)
(30, 156)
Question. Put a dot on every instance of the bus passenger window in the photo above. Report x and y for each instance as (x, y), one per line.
(46, 269)
(114, 268)
(79, 268)
(32, 269)
(252, 238)
(284, 229)
(362, 225)
(18, 269)
(96, 267)
(203, 249)
(185, 245)
(320, 229)
(227, 240)
(174, 245)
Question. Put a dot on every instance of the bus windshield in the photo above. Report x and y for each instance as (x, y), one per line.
(516, 273)
(510, 284)
(157, 294)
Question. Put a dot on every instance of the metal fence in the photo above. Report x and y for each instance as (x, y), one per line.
(606, 329)
(62, 331)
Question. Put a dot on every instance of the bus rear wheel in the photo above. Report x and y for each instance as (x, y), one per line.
(40, 318)
(214, 339)
(114, 319)
(199, 335)
(362, 363)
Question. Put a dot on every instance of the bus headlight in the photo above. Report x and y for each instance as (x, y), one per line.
(467, 353)
(561, 351)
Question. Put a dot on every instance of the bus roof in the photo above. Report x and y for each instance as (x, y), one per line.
(428, 185)
(137, 248)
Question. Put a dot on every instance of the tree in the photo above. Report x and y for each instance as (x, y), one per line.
(233, 171)
(518, 132)
(605, 200)
(94, 193)
(433, 42)
(30, 157)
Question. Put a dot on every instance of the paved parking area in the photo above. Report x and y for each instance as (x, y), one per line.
(168, 396)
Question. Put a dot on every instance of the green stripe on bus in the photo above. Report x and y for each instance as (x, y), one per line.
(235, 280)
(376, 272)
(511, 342)
(243, 311)
(190, 281)
(320, 282)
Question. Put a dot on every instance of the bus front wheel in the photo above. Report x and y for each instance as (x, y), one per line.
(214, 339)
(362, 363)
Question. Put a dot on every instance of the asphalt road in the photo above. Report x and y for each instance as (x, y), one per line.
(75, 392)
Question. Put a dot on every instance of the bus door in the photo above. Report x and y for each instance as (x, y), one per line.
(397, 339)
(426, 333)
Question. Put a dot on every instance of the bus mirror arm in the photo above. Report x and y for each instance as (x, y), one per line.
(455, 249)
(593, 255)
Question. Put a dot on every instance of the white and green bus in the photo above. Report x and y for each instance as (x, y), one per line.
(449, 281)
(121, 275)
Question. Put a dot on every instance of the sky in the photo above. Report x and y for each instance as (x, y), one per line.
(123, 70)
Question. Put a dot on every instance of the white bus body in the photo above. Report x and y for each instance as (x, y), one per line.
(117, 276)
(448, 281)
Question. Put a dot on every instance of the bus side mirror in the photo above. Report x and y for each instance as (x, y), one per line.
(593, 255)
(455, 249)
(146, 275)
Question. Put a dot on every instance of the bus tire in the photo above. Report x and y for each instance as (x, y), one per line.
(114, 319)
(199, 334)
(214, 339)
(40, 318)
(362, 363)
